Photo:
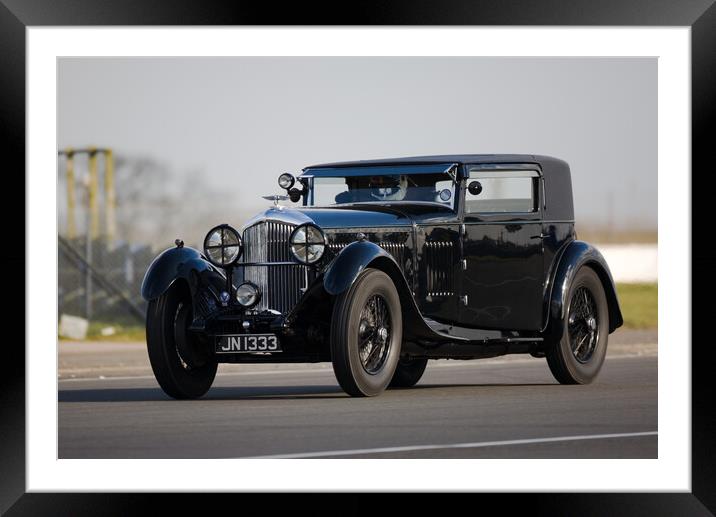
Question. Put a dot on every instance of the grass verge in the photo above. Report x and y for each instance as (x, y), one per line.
(114, 331)
(639, 304)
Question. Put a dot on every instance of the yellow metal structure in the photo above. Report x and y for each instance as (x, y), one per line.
(93, 185)
(93, 201)
(71, 225)
(109, 196)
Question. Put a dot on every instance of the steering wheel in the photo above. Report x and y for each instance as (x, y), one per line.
(390, 192)
(384, 193)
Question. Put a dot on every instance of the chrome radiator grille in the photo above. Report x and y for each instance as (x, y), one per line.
(280, 285)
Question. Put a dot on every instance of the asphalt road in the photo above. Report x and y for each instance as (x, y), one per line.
(501, 408)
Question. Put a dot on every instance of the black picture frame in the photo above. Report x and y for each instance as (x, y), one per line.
(700, 15)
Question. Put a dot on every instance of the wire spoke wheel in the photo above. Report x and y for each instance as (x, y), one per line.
(374, 332)
(366, 334)
(575, 351)
(583, 324)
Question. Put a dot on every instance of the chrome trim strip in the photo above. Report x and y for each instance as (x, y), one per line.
(364, 229)
(239, 264)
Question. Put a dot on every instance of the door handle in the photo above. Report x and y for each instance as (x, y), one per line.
(540, 236)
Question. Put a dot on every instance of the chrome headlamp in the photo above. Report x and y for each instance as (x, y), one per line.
(247, 294)
(286, 180)
(222, 245)
(308, 243)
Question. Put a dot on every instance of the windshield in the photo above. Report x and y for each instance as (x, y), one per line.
(391, 188)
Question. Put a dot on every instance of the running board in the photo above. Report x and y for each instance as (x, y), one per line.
(466, 335)
(464, 343)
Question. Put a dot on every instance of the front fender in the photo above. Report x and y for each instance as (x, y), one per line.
(357, 256)
(349, 263)
(174, 263)
(576, 255)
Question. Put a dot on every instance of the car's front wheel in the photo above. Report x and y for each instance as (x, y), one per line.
(366, 333)
(577, 355)
(181, 363)
(408, 372)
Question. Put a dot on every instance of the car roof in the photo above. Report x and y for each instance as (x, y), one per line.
(460, 159)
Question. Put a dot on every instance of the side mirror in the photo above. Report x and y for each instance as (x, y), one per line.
(474, 188)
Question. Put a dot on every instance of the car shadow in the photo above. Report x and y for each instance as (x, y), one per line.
(478, 385)
(216, 393)
(220, 393)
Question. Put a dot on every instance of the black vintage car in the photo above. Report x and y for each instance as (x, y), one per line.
(382, 265)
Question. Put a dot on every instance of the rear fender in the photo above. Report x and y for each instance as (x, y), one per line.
(576, 255)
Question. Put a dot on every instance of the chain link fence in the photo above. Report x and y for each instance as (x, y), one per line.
(100, 285)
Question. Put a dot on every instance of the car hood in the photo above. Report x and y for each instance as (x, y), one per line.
(348, 216)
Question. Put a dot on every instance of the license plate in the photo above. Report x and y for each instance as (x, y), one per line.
(247, 343)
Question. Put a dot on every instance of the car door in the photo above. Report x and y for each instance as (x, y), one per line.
(502, 270)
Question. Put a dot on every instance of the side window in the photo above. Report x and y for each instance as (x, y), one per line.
(502, 191)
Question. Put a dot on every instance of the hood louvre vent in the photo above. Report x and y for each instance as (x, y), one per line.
(396, 247)
(439, 259)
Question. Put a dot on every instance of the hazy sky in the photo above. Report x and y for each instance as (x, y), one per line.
(243, 121)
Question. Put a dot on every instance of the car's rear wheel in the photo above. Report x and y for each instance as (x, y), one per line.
(181, 363)
(408, 372)
(366, 333)
(577, 355)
